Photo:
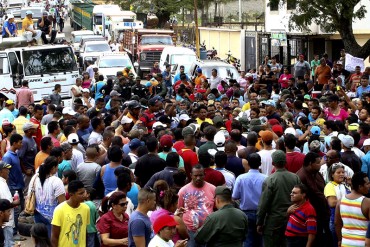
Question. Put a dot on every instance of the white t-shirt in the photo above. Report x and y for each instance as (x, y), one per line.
(77, 158)
(95, 138)
(266, 161)
(229, 177)
(214, 81)
(158, 242)
(5, 194)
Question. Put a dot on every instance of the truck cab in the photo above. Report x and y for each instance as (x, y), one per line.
(97, 16)
(91, 50)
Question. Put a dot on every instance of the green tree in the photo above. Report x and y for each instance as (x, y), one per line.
(332, 16)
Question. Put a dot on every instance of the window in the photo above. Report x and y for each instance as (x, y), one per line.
(4, 66)
(48, 61)
(274, 5)
(13, 62)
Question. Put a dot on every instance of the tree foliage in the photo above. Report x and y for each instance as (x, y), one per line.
(332, 16)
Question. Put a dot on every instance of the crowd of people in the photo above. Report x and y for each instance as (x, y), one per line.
(269, 159)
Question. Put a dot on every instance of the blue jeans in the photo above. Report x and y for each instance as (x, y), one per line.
(333, 233)
(169, 91)
(8, 236)
(253, 239)
(91, 239)
(18, 209)
(191, 241)
(39, 218)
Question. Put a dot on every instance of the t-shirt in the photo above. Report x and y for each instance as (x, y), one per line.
(73, 224)
(47, 194)
(95, 138)
(164, 157)
(96, 88)
(11, 27)
(139, 225)
(323, 74)
(28, 152)
(266, 161)
(15, 180)
(26, 23)
(198, 204)
(91, 228)
(64, 166)
(77, 158)
(158, 241)
(314, 65)
(147, 166)
(40, 158)
(87, 173)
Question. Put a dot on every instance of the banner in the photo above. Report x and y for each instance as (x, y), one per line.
(352, 62)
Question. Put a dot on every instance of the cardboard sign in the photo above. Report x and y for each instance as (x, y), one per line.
(352, 62)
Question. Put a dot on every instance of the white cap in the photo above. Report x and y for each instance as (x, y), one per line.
(85, 90)
(366, 142)
(69, 111)
(10, 16)
(290, 130)
(219, 139)
(184, 117)
(73, 138)
(126, 120)
(157, 124)
(347, 140)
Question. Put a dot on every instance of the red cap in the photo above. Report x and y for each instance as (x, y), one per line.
(273, 122)
(278, 130)
(166, 141)
(163, 221)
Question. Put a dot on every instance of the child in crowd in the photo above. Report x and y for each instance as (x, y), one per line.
(68, 176)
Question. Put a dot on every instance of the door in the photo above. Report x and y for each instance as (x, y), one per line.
(250, 52)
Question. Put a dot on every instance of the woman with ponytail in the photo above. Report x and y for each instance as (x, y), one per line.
(113, 225)
(167, 200)
(49, 191)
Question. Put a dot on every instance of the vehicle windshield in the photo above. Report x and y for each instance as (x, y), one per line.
(185, 60)
(48, 61)
(156, 40)
(97, 48)
(77, 39)
(223, 72)
(114, 62)
(4, 64)
(98, 20)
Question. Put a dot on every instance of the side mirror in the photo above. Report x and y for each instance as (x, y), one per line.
(20, 68)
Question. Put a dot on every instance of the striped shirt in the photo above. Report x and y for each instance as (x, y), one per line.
(354, 222)
(302, 222)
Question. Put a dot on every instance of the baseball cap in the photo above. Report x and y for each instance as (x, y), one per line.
(135, 143)
(126, 120)
(73, 138)
(315, 130)
(269, 102)
(184, 117)
(166, 141)
(10, 16)
(157, 124)
(128, 67)
(165, 119)
(138, 78)
(353, 127)
(199, 70)
(9, 102)
(273, 121)
(85, 90)
(290, 130)
(285, 92)
(222, 191)
(47, 97)
(266, 135)
(278, 130)
(315, 145)
(219, 139)
(45, 13)
(29, 125)
(114, 93)
(5, 204)
(347, 140)
(187, 131)
(29, 12)
(366, 142)
(278, 157)
(307, 96)
(68, 110)
(3, 164)
(163, 221)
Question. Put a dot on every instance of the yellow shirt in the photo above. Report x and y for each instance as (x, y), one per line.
(246, 107)
(208, 120)
(26, 23)
(18, 123)
(73, 224)
(40, 158)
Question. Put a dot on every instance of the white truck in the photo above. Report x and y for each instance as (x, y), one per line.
(43, 67)
(98, 11)
(112, 19)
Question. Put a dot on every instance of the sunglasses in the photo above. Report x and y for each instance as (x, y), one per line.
(123, 204)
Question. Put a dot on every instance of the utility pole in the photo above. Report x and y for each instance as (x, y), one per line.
(240, 10)
(196, 27)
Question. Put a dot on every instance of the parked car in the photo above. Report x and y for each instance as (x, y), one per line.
(224, 70)
(109, 63)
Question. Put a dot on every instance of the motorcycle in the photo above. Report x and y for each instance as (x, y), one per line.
(211, 54)
(233, 61)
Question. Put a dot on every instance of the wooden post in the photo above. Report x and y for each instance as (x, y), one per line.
(196, 27)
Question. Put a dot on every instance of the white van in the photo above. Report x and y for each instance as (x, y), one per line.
(177, 56)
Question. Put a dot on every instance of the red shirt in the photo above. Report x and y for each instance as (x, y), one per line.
(214, 177)
(179, 145)
(302, 222)
(294, 161)
(117, 229)
(190, 159)
(38, 135)
(148, 120)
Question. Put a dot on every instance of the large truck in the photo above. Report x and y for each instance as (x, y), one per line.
(43, 67)
(97, 16)
(146, 46)
(81, 15)
(112, 19)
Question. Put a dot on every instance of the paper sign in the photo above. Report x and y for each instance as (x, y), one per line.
(352, 62)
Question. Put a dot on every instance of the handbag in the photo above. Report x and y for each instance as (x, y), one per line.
(30, 205)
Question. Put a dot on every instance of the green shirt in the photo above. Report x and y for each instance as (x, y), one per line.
(91, 228)
(164, 157)
(275, 199)
(226, 227)
(314, 65)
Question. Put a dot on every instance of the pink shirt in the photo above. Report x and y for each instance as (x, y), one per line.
(55, 141)
(341, 117)
(198, 204)
(24, 97)
(283, 80)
